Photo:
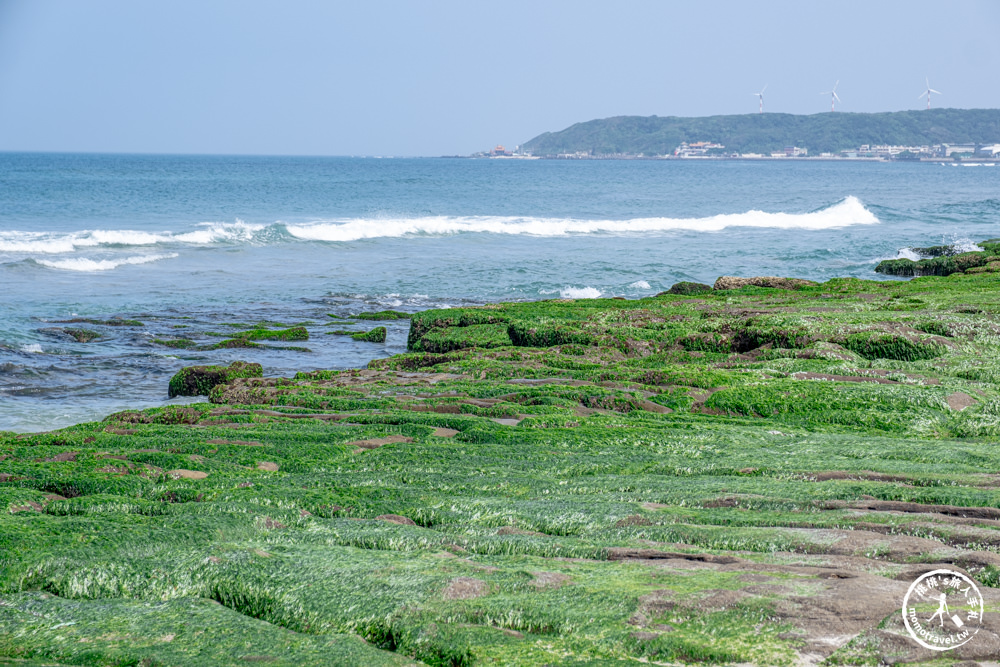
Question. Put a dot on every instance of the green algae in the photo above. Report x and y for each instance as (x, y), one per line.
(199, 380)
(82, 335)
(942, 261)
(456, 338)
(262, 333)
(687, 289)
(112, 322)
(381, 315)
(517, 503)
(376, 335)
(231, 344)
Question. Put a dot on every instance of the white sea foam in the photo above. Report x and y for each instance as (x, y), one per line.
(84, 264)
(965, 244)
(640, 284)
(850, 211)
(52, 243)
(579, 293)
(35, 242)
(959, 244)
(32, 348)
(220, 232)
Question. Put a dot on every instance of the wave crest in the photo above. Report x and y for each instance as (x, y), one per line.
(84, 264)
(54, 243)
(850, 211)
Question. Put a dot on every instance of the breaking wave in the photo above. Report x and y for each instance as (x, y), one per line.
(956, 245)
(55, 243)
(849, 211)
(570, 292)
(84, 264)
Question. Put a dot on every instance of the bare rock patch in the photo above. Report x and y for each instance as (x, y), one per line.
(465, 588)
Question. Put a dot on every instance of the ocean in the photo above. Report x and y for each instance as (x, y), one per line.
(193, 247)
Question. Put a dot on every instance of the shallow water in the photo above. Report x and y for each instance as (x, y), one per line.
(192, 244)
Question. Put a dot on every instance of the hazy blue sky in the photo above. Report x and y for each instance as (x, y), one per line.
(432, 78)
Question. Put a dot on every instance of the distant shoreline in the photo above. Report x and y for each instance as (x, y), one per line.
(763, 158)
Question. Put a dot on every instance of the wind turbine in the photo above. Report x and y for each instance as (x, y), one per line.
(761, 96)
(833, 95)
(928, 92)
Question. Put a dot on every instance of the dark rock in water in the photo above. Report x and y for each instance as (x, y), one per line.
(936, 251)
(113, 322)
(82, 335)
(199, 380)
(231, 343)
(292, 333)
(733, 282)
(79, 335)
(686, 288)
(897, 267)
(942, 260)
(376, 335)
(178, 343)
(943, 265)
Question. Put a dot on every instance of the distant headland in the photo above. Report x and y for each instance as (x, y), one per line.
(932, 134)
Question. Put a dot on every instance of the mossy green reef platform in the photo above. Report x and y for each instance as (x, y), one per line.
(750, 475)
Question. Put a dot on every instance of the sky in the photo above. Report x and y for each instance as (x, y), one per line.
(380, 77)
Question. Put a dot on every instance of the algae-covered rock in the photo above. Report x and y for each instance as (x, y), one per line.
(113, 322)
(547, 480)
(376, 335)
(82, 335)
(199, 380)
(232, 343)
(291, 333)
(992, 267)
(447, 339)
(687, 288)
(382, 315)
(421, 323)
(969, 260)
(936, 251)
(897, 267)
(882, 345)
(546, 333)
(937, 266)
(734, 282)
(942, 260)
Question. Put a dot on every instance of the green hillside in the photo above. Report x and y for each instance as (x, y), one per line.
(763, 133)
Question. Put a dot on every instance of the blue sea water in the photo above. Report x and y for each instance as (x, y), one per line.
(199, 243)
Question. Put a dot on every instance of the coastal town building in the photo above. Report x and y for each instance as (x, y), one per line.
(697, 149)
(974, 152)
(947, 150)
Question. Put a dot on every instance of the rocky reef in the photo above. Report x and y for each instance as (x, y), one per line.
(200, 380)
(376, 335)
(747, 474)
(945, 261)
